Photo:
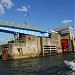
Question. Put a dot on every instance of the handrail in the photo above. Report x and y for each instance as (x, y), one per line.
(19, 25)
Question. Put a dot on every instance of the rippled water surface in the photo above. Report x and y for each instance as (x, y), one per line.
(50, 65)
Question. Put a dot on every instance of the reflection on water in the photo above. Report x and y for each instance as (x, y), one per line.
(51, 65)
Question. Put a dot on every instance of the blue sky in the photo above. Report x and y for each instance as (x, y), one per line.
(49, 14)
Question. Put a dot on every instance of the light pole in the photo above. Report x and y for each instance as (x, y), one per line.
(27, 18)
(27, 15)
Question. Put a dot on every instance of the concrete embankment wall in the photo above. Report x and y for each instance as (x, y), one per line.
(31, 48)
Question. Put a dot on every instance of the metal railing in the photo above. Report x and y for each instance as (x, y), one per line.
(18, 40)
(19, 25)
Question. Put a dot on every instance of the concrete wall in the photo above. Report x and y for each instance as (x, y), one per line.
(55, 38)
(31, 48)
(46, 41)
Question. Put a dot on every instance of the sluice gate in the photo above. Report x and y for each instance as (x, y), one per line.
(49, 50)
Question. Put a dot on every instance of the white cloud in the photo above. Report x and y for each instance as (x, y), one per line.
(2, 11)
(23, 9)
(66, 21)
(7, 3)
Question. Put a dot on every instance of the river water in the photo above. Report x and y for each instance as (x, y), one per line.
(62, 64)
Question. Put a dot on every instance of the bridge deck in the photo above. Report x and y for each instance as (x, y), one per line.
(12, 30)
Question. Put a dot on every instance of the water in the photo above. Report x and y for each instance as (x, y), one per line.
(62, 64)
